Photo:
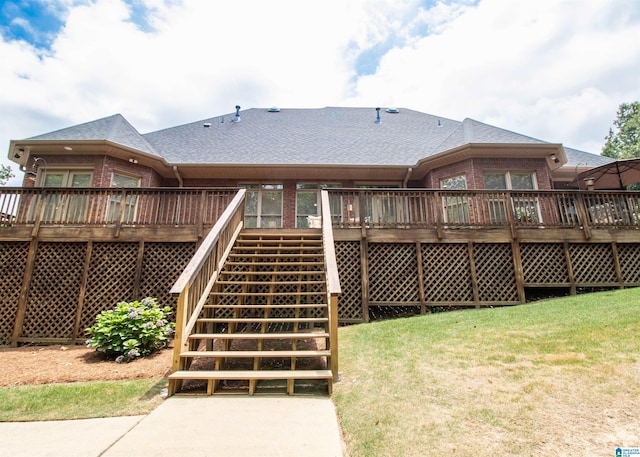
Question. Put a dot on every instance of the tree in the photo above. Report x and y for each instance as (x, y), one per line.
(5, 174)
(624, 141)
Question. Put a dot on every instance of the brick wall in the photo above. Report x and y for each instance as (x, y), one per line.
(102, 166)
(474, 170)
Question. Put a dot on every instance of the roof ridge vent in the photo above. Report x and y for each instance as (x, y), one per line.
(393, 110)
(273, 109)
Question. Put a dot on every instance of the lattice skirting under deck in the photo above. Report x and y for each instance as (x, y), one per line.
(52, 291)
(13, 261)
(67, 284)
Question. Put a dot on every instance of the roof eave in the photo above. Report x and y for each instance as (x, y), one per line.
(21, 150)
(552, 152)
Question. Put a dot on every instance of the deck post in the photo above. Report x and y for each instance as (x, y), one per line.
(517, 266)
(474, 275)
(200, 214)
(24, 291)
(616, 262)
(364, 271)
(572, 276)
(439, 208)
(121, 207)
(83, 290)
(423, 307)
(583, 216)
(138, 278)
(39, 214)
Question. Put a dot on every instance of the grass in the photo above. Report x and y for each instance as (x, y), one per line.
(80, 400)
(558, 377)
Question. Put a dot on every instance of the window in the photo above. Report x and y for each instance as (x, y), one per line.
(67, 207)
(525, 208)
(456, 207)
(263, 205)
(380, 207)
(509, 180)
(308, 202)
(131, 201)
(66, 178)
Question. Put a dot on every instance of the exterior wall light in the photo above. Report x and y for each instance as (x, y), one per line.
(589, 183)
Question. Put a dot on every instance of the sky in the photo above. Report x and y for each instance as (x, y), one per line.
(556, 70)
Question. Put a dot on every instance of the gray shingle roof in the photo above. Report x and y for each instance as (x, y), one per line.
(115, 129)
(470, 131)
(305, 136)
(332, 135)
(323, 136)
(577, 158)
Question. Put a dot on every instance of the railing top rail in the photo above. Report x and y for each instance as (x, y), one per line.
(483, 191)
(133, 189)
(208, 244)
(333, 279)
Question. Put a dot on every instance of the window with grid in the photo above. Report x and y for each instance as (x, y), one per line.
(525, 209)
(67, 208)
(130, 201)
(263, 207)
(308, 203)
(456, 208)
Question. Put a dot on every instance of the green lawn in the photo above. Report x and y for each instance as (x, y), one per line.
(559, 377)
(80, 400)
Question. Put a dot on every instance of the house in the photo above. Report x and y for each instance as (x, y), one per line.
(284, 156)
(265, 216)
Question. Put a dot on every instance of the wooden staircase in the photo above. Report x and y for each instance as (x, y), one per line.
(265, 327)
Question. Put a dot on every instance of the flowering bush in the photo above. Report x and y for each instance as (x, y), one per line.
(131, 330)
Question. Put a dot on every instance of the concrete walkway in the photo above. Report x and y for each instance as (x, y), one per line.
(226, 426)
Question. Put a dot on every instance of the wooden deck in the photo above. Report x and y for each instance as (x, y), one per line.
(416, 248)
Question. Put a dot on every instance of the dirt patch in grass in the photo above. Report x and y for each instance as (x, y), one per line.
(33, 365)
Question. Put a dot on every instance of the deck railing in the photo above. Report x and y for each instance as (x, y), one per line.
(350, 208)
(120, 207)
(333, 280)
(442, 209)
(195, 283)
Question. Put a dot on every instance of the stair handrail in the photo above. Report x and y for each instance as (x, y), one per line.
(333, 280)
(197, 279)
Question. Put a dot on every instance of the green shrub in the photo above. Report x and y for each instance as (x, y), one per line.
(131, 330)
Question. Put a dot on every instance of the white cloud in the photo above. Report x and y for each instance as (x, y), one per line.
(556, 70)
(550, 69)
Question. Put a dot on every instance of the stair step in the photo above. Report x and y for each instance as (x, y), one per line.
(241, 320)
(252, 374)
(276, 242)
(271, 273)
(278, 248)
(271, 306)
(264, 294)
(262, 283)
(277, 255)
(252, 354)
(256, 336)
(279, 264)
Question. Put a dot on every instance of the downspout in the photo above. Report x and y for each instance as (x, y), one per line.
(406, 178)
(177, 173)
